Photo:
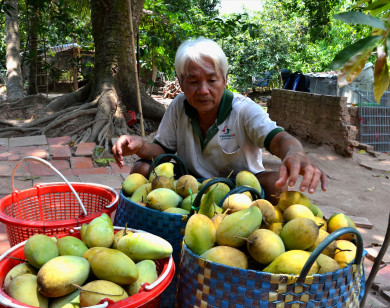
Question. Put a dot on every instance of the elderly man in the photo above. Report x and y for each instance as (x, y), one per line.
(216, 132)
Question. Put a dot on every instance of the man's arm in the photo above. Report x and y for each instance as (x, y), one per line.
(129, 144)
(295, 163)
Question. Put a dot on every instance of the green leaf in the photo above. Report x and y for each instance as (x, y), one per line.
(349, 51)
(353, 67)
(378, 7)
(381, 74)
(360, 18)
(104, 161)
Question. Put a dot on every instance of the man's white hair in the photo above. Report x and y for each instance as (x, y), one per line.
(196, 50)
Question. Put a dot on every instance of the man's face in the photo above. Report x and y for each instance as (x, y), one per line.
(203, 86)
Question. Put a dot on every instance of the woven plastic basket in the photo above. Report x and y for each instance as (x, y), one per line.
(148, 297)
(208, 284)
(53, 208)
(166, 225)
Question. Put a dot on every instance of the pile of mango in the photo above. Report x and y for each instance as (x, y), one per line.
(72, 272)
(254, 234)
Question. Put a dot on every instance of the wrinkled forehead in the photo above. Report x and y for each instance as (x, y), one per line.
(206, 65)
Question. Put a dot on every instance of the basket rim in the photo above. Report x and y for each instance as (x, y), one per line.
(6, 219)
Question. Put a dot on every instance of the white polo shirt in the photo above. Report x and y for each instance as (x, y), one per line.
(232, 144)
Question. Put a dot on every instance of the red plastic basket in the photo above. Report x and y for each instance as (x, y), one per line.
(53, 208)
(148, 297)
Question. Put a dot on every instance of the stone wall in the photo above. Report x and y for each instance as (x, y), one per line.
(320, 119)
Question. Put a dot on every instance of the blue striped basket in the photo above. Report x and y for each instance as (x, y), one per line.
(208, 284)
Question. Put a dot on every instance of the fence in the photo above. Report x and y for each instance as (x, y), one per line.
(374, 120)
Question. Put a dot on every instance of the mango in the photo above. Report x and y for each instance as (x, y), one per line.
(338, 221)
(291, 262)
(93, 292)
(226, 255)
(162, 181)
(297, 210)
(329, 250)
(247, 178)
(276, 227)
(236, 227)
(187, 202)
(162, 198)
(70, 245)
(185, 184)
(321, 223)
(220, 190)
(71, 300)
(57, 276)
(91, 252)
(162, 169)
(20, 269)
(139, 195)
(217, 218)
(319, 212)
(39, 249)
(291, 197)
(267, 210)
(236, 202)
(24, 288)
(132, 182)
(114, 265)
(327, 264)
(278, 214)
(207, 206)
(99, 232)
(176, 210)
(144, 246)
(345, 252)
(147, 274)
(199, 234)
(264, 246)
(299, 233)
(118, 235)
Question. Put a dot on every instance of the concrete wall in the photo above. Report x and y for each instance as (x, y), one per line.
(320, 119)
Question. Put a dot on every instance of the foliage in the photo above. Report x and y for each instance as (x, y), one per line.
(352, 58)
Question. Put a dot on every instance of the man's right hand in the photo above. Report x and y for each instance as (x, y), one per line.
(126, 145)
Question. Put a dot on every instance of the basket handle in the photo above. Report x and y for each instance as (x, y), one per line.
(240, 189)
(159, 159)
(330, 238)
(198, 198)
(53, 168)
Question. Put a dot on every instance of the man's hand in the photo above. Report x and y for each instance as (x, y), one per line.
(296, 163)
(126, 145)
(299, 164)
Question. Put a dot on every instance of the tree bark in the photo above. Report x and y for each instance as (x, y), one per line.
(33, 51)
(14, 73)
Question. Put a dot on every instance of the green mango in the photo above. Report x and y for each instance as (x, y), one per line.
(299, 233)
(199, 234)
(236, 227)
(141, 192)
(57, 276)
(20, 269)
(291, 262)
(99, 232)
(91, 252)
(187, 202)
(132, 182)
(24, 288)
(163, 169)
(147, 274)
(226, 255)
(327, 264)
(115, 266)
(71, 300)
(207, 205)
(246, 178)
(220, 190)
(118, 235)
(93, 292)
(39, 249)
(176, 210)
(144, 246)
(162, 198)
(72, 246)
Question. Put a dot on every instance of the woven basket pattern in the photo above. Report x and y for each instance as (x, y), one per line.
(208, 284)
(168, 226)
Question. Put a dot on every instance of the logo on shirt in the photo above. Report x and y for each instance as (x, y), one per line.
(226, 133)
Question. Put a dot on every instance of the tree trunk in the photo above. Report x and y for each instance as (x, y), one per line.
(33, 52)
(14, 73)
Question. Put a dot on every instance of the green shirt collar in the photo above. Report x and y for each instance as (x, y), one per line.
(225, 108)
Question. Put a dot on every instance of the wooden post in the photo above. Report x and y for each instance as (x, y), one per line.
(141, 117)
